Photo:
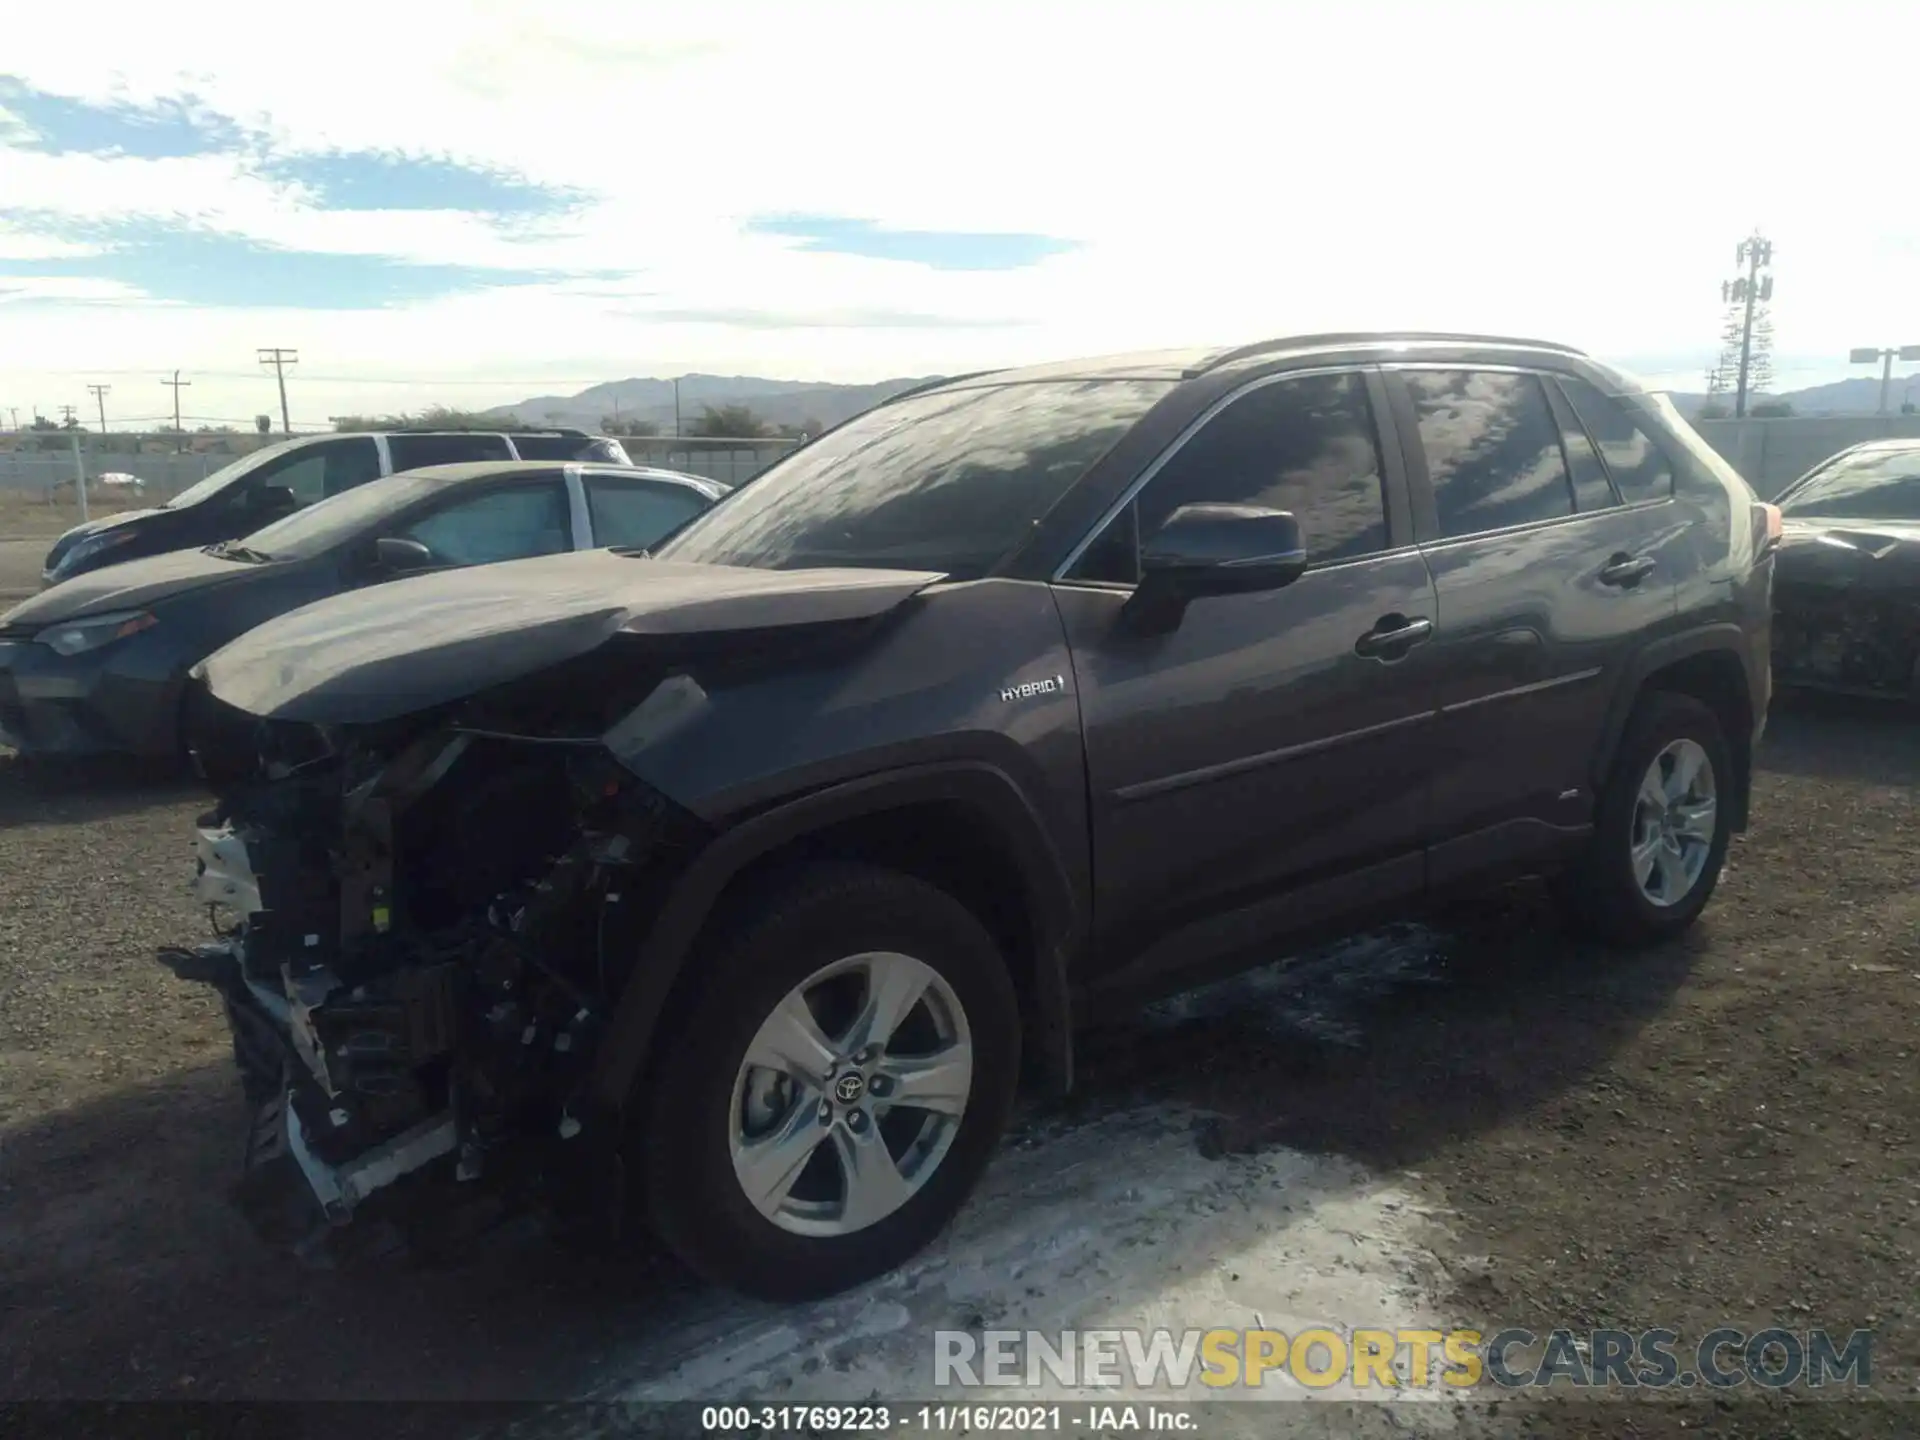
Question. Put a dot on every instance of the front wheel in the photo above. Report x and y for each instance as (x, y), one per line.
(835, 1087)
(1662, 830)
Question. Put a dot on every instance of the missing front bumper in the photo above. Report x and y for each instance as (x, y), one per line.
(293, 1198)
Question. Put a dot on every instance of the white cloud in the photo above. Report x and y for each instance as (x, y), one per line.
(1229, 169)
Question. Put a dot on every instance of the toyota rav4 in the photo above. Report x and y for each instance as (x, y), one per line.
(733, 888)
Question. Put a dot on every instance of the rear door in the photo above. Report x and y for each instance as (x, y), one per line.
(1261, 768)
(1547, 582)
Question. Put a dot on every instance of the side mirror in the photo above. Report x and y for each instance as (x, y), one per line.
(1202, 550)
(393, 552)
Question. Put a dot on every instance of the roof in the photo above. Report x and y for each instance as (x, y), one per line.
(466, 471)
(1185, 364)
(566, 430)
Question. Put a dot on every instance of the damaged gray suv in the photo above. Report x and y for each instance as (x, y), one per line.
(731, 890)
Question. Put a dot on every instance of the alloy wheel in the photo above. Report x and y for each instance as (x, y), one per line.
(850, 1094)
(1675, 819)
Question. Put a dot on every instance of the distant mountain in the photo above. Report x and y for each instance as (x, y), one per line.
(777, 402)
(1859, 395)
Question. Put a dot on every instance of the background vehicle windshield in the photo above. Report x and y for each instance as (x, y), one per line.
(338, 518)
(1879, 485)
(950, 481)
(227, 474)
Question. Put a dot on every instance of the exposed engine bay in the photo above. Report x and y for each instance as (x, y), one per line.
(421, 929)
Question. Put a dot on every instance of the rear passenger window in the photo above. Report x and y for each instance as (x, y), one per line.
(634, 514)
(1493, 449)
(1640, 468)
(1305, 446)
(411, 452)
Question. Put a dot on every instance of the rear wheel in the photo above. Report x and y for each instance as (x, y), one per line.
(1663, 827)
(835, 1087)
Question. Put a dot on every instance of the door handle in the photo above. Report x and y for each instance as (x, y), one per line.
(1392, 636)
(1626, 570)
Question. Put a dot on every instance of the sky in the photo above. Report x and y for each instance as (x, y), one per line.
(469, 202)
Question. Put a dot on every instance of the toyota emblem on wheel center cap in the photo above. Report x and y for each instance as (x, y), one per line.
(849, 1088)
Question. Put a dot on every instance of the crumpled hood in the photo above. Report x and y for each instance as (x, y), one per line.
(1866, 553)
(389, 650)
(130, 585)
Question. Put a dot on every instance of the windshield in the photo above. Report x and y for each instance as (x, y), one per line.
(227, 474)
(338, 518)
(951, 481)
(1879, 485)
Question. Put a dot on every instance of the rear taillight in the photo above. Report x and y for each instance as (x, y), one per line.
(1775, 526)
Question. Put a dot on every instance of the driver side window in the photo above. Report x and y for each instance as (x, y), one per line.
(510, 524)
(317, 471)
(1303, 445)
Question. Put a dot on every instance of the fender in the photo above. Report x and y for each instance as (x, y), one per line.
(1657, 655)
(1055, 913)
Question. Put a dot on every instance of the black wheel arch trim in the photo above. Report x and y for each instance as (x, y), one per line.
(1723, 637)
(1054, 910)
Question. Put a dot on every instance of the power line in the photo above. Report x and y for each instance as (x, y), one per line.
(177, 383)
(279, 358)
(100, 399)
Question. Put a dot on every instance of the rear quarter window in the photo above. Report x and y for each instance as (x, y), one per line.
(1640, 465)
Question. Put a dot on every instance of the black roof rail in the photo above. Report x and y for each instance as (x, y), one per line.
(565, 430)
(1377, 337)
(926, 385)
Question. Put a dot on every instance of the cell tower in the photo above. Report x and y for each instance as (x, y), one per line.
(1746, 337)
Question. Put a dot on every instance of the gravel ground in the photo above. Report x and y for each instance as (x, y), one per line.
(1717, 1133)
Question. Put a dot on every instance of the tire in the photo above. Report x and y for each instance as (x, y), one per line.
(1603, 892)
(692, 1106)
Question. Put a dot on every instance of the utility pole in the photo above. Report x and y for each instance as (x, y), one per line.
(14, 411)
(100, 399)
(278, 358)
(676, 407)
(66, 417)
(1868, 355)
(176, 382)
(1748, 292)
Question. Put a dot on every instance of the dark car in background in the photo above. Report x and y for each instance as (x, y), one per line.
(275, 480)
(732, 890)
(1847, 586)
(98, 663)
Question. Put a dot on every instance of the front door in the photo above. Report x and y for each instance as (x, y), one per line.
(1261, 768)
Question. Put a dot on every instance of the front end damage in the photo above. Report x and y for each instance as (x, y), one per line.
(432, 890)
(421, 929)
(1847, 613)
